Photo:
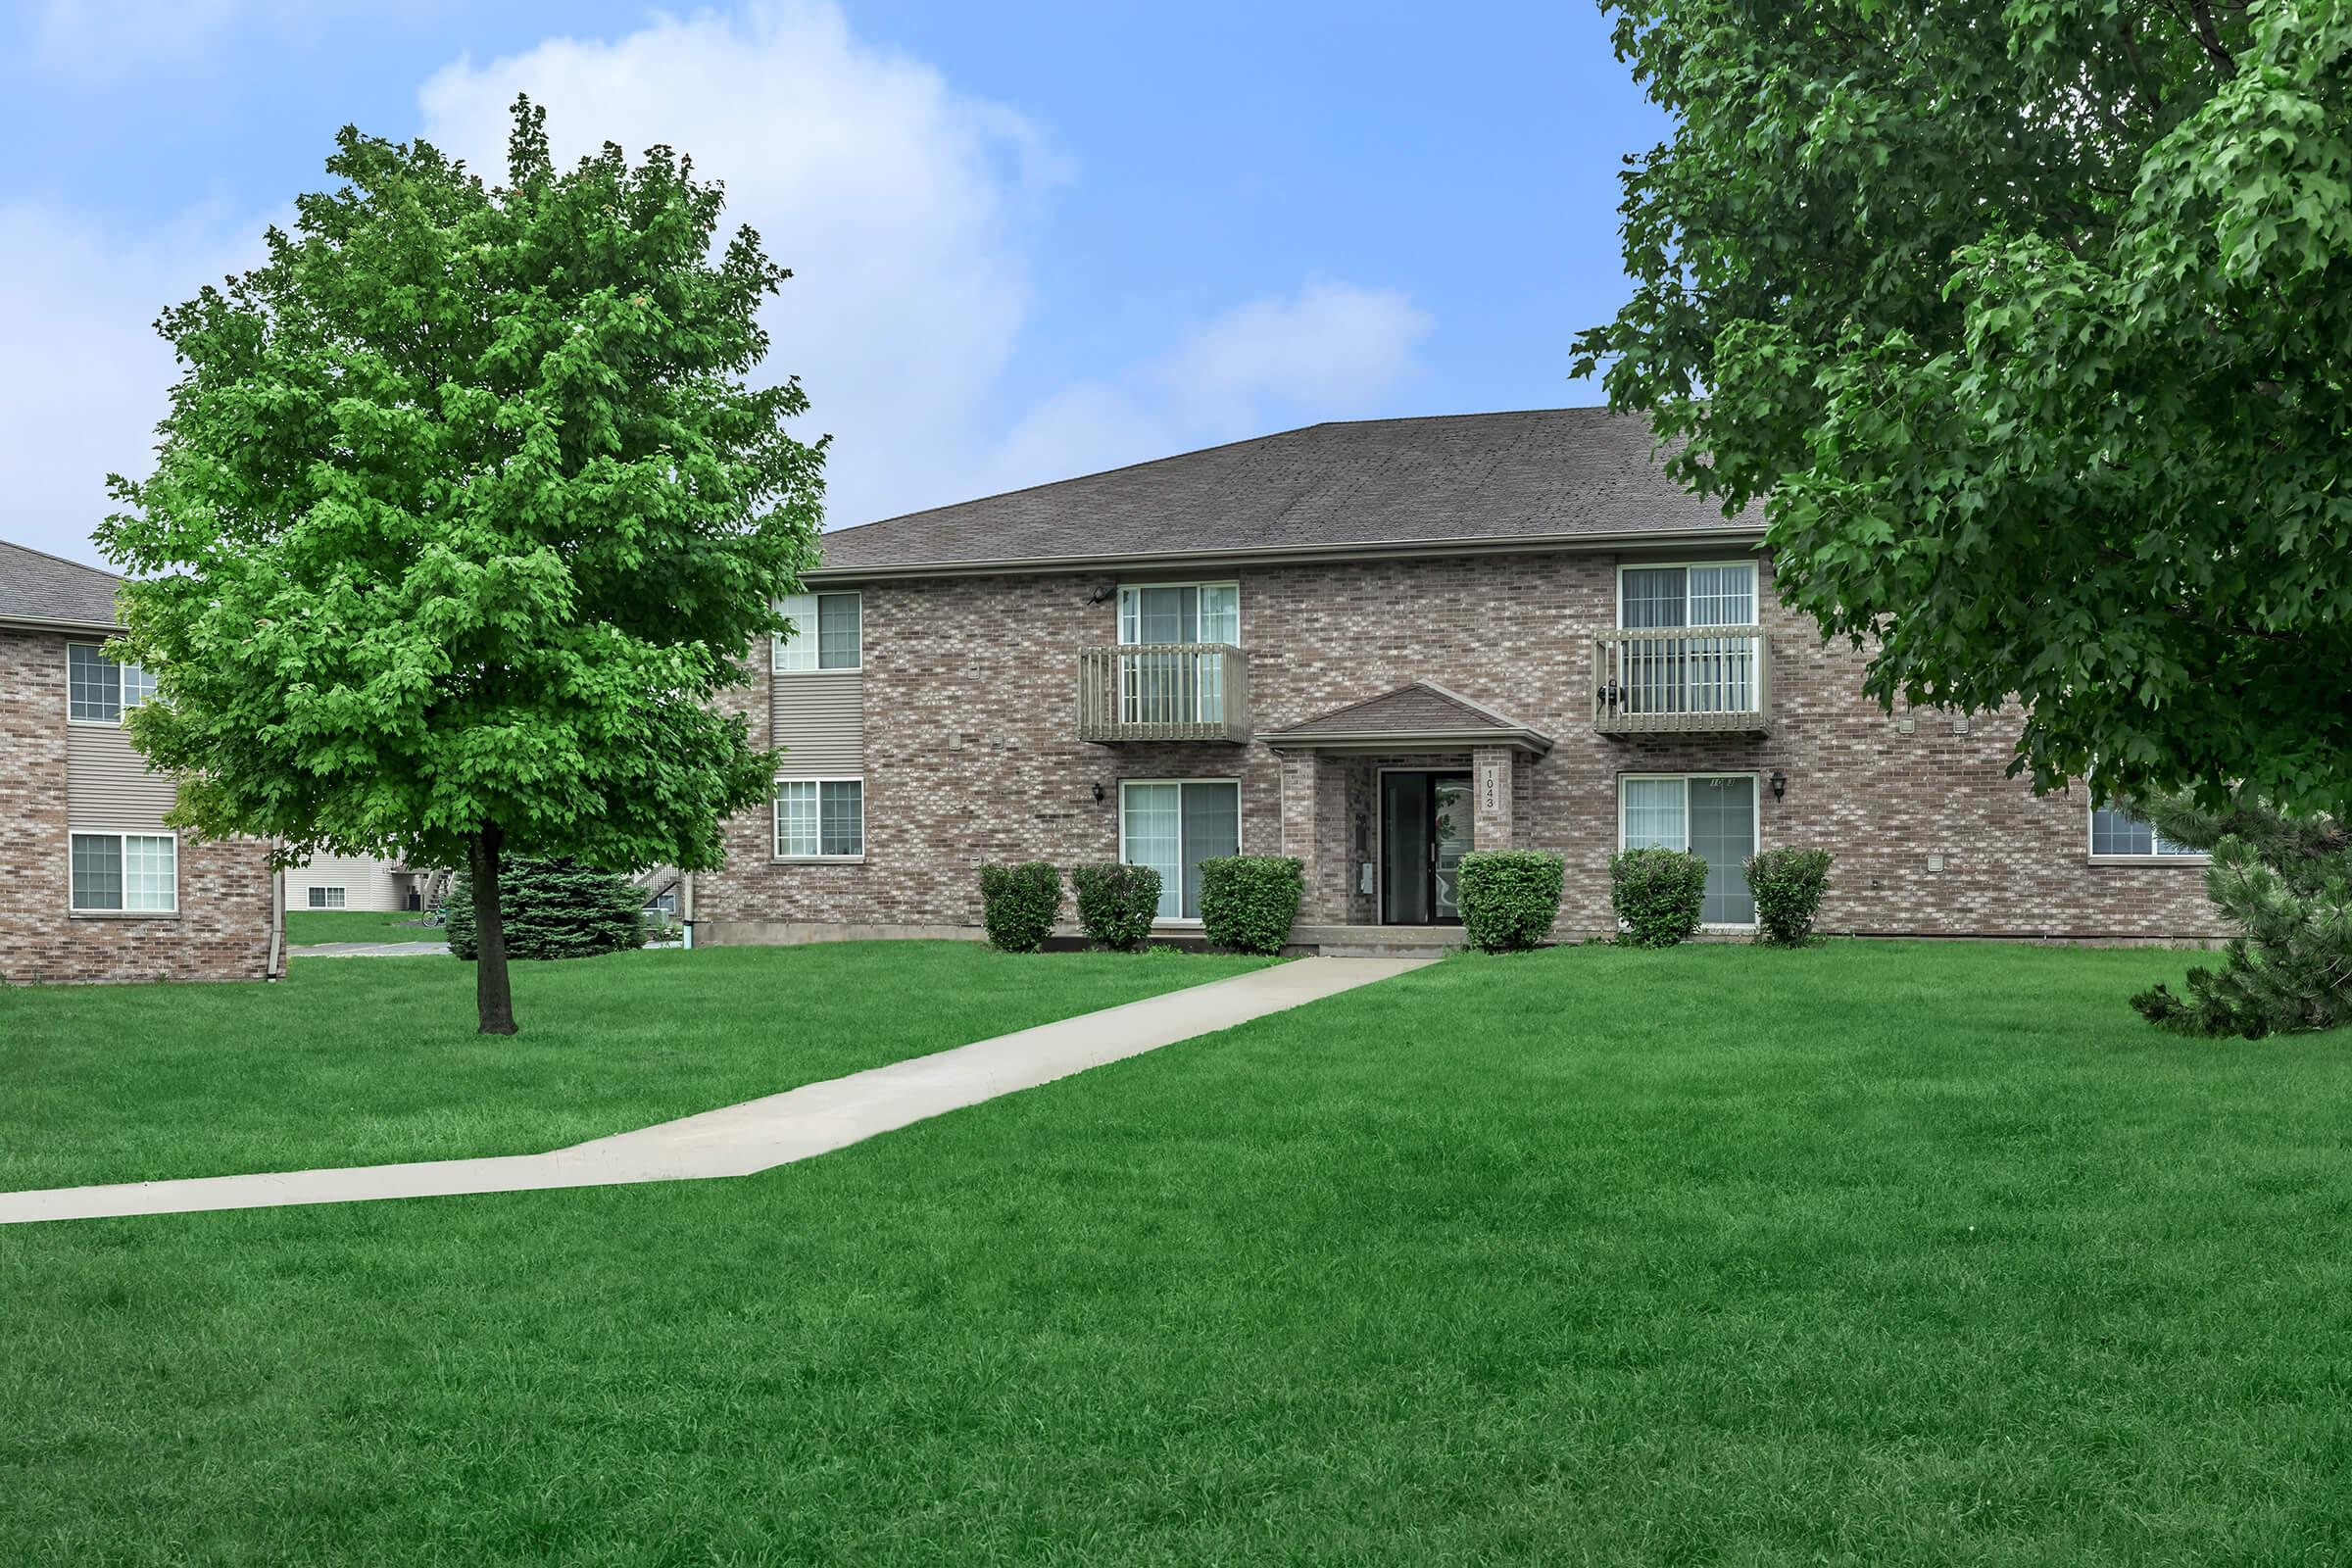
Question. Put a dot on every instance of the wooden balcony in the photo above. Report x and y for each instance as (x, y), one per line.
(1163, 692)
(1680, 680)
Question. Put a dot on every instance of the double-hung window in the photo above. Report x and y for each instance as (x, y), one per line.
(1710, 815)
(1697, 674)
(1159, 685)
(1171, 826)
(2117, 835)
(127, 873)
(827, 633)
(821, 819)
(99, 691)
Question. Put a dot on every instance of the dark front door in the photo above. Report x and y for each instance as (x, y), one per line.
(1425, 830)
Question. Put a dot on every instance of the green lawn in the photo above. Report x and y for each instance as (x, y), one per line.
(307, 927)
(1865, 1255)
(353, 1062)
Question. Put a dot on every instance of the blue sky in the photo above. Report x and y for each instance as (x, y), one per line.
(1031, 239)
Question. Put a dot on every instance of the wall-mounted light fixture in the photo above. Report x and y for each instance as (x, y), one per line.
(1104, 595)
(1099, 793)
(1780, 783)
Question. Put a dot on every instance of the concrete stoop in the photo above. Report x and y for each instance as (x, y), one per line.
(1375, 940)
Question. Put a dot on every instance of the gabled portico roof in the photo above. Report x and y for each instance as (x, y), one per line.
(1423, 717)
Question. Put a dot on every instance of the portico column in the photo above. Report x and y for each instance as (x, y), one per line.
(1301, 778)
(1491, 784)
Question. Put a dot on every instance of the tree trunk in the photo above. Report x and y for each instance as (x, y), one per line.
(493, 1001)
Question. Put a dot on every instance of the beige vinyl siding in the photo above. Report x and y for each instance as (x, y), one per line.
(368, 883)
(819, 719)
(108, 785)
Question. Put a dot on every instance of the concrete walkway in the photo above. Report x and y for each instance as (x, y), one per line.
(760, 1134)
(369, 949)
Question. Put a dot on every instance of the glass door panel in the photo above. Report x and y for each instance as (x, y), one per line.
(1154, 831)
(1404, 845)
(1723, 832)
(1212, 826)
(1452, 830)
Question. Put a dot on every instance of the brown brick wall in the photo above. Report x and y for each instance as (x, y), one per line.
(223, 929)
(970, 719)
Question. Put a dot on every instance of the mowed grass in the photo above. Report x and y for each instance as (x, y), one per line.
(311, 927)
(354, 1061)
(1866, 1254)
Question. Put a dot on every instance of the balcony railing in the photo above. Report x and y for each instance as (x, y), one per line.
(1681, 679)
(1163, 692)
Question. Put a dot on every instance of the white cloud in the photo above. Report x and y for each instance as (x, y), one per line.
(895, 201)
(88, 375)
(902, 206)
(1333, 350)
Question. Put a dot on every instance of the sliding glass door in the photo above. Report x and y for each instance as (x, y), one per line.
(1164, 688)
(1172, 826)
(1712, 816)
(1698, 673)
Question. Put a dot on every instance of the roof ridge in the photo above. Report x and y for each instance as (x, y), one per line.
(1216, 446)
(1052, 484)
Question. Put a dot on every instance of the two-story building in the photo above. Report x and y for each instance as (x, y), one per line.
(1376, 646)
(93, 884)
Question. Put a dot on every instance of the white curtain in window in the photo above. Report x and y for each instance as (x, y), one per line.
(93, 685)
(795, 818)
(1655, 815)
(826, 633)
(1722, 596)
(1155, 837)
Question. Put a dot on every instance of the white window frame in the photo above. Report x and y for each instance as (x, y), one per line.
(122, 704)
(1238, 846)
(775, 820)
(810, 630)
(1756, 808)
(1755, 597)
(2183, 856)
(315, 898)
(1121, 610)
(119, 834)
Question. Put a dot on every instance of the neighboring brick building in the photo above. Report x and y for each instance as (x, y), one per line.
(94, 886)
(1374, 646)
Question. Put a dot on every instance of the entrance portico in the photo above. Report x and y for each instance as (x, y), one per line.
(1381, 799)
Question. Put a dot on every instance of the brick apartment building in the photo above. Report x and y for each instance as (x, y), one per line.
(93, 885)
(1375, 646)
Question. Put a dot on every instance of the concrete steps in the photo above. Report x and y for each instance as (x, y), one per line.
(1375, 941)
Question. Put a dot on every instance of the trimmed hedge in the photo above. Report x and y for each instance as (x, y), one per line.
(552, 910)
(1247, 901)
(1657, 894)
(1510, 897)
(1018, 905)
(1787, 884)
(1117, 903)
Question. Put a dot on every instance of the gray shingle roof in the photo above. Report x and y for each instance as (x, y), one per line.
(37, 586)
(1418, 711)
(1545, 474)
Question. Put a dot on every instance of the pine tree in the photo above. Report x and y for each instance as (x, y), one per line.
(2286, 884)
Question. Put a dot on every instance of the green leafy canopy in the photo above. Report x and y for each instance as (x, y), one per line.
(464, 514)
(2031, 324)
